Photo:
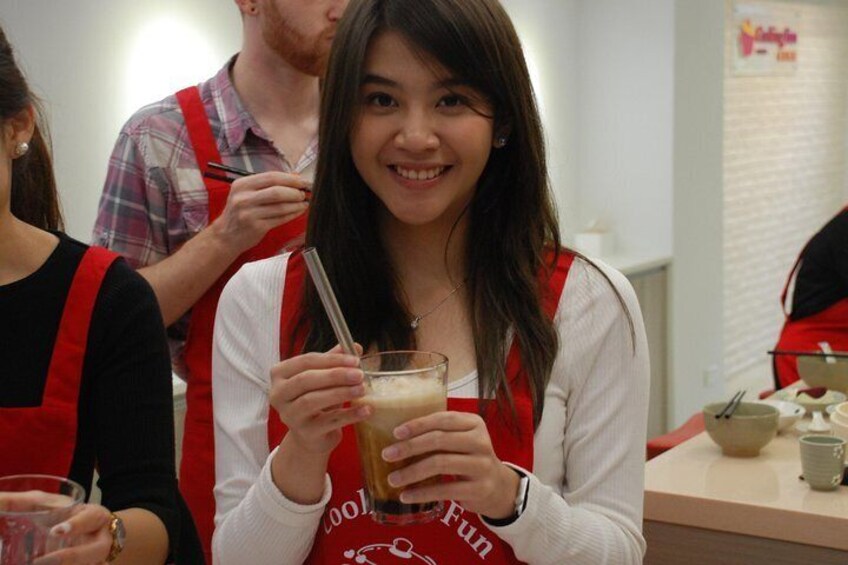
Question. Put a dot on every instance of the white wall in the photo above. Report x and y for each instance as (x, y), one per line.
(695, 330)
(625, 107)
(548, 31)
(784, 171)
(91, 62)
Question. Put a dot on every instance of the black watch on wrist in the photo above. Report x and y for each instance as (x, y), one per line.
(520, 501)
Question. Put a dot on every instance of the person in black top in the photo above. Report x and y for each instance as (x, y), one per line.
(81, 387)
(822, 279)
(819, 301)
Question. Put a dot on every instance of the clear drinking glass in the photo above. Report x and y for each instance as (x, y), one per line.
(400, 386)
(29, 506)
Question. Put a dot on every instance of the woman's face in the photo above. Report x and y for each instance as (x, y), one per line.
(422, 139)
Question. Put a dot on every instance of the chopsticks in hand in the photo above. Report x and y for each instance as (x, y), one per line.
(732, 405)
(239, 173)
(226, 169)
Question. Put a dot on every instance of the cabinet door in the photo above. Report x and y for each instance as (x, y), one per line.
(650, 289)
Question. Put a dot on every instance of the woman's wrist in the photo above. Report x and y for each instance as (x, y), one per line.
(503, 504)
(299, 473)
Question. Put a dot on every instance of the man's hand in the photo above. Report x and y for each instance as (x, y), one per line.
(257, 204)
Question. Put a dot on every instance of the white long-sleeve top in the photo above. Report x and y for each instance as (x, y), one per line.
(585, 496)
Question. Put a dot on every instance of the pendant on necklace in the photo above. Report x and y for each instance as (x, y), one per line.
(414, 323)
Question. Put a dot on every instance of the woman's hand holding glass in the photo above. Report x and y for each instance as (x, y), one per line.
(87, 531)
(455, 444)
(309, 393)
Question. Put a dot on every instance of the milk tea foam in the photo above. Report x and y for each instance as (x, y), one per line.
(395, 400)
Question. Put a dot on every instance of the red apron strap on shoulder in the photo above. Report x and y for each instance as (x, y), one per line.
(555, 282)
(72, 338)
(552, 282)
(203, 142)
(199, 130)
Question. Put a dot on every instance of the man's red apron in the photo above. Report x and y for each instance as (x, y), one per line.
(197, 468)
(348, 535)
(42, 439)
(830, 325)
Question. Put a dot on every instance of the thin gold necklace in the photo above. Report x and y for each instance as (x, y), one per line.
(416, 320)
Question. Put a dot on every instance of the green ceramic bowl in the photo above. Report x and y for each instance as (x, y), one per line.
(816, 371)
(748, 430)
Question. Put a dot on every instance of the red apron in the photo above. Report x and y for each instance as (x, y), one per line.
(830, 325)
(347, 535)
(197, 468)
(24, 432)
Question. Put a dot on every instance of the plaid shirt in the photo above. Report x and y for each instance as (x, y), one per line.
(154, 199)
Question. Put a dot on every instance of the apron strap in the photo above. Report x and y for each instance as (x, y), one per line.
(65, 373)
(203, 142)
(551, 282)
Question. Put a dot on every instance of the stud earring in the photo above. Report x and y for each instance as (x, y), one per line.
(21, 149)
(500, 142)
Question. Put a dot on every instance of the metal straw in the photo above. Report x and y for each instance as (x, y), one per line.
(328, 298)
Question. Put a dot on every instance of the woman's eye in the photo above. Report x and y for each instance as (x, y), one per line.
(380, 100)
(452, 101)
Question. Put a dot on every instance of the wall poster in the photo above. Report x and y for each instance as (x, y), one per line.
(765, 40)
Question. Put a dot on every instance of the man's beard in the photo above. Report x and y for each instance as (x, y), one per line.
(307, 55)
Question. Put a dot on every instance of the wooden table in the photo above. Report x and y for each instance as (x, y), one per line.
(702, 507)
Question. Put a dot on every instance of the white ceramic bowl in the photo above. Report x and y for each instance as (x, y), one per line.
(839, 413)
(839, 429)
(789, 412)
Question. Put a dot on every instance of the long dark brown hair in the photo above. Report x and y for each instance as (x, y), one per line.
(34, 199)
(512, 220)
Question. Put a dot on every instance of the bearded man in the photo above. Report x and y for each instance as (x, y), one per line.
(188, 228)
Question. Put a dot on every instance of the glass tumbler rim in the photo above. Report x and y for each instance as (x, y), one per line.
(441, 361)
(77, 494)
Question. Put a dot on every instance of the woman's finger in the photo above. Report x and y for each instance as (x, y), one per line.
(448, 421)
(437, 465)
(319, 400)
(90, 518)
(467, 441)
(90, 548)
(339, 418)
(312, 361)
(309, 382)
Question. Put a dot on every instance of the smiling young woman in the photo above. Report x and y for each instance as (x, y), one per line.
(431, 196)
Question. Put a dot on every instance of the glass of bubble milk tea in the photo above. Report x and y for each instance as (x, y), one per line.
(400, 386)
